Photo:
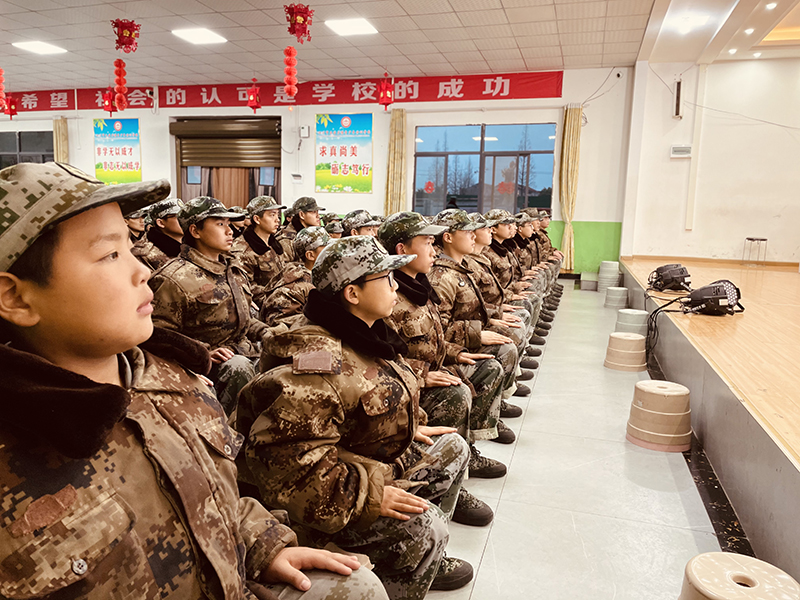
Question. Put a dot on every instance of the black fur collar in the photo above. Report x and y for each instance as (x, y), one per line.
(521, 241)
(163, 242)
(499, 248)
(258, 245)
(379, 340)
(417, 289)
(71, 412)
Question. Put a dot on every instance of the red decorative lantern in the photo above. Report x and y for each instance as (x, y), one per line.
(120, 100)
(429, 187)
(127, 33)
(2, 90)
(11, 106)
(386, 91)
(299, 17)
(289, 71)
(253, 96)
(108, 102)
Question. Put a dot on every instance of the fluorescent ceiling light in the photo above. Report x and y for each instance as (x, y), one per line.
(419, 141)
(771, 5)
(199, 36)
(732, 51)
(749, 31)
(488, 139)
(39, 47)
(689, 22)
(351, 26)
(757, 54)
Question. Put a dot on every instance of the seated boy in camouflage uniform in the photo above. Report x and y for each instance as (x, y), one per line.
(204, 294)
(331, 429)
(304, 213)
(116, 464)
(460, 387)
(288, 300)
(162, 242)
(527, 255)
(333, 225)
(258, 251)
(360, 222)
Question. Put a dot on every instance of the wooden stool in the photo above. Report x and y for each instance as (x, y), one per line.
(729, 576)
(607, 275)
(616, 297)
(625, 352)
(630, 328)
(631, 316)
(660, 417)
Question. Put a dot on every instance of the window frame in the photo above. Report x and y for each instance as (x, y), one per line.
(45, 156)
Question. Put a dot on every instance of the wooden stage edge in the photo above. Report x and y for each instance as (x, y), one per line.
(743, 375)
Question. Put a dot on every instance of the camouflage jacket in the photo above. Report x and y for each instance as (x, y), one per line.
(263, 263)
(416, 320)
(328, 428)
(547, 245)
(206, 300)
(155, 248)
(504, 266)
(493, 294)
(285, 238)
(289, 298)
(526, 252)
(109, 493)
(462, 309)
(538, 239)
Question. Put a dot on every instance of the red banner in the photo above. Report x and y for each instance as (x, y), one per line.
(365, 91)
(47, 100)
(506, 86)
(92, 99)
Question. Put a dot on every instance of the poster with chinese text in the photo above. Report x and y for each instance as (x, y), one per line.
(117, 156)
(344, 153)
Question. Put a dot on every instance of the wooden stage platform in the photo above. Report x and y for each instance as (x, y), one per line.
(744, 375)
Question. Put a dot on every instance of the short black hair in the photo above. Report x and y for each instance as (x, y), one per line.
(188, 238)
(36, 263)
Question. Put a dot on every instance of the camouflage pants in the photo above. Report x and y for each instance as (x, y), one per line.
(406, 554)
(230, 377)
(362, 584)
(448, 406)
(487, 377)
(508, 357)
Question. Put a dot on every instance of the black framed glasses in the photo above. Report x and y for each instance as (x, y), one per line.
(389, 276)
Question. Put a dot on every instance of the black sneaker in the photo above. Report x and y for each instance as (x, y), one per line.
(529, 363)
(541, 332)
(482, 467)
(471, 511)
(522, 391)
(509, 411)
(531, 351)
(453, 574)
(525, 375)
(543, 316)
(547, 313)
(537, 340)
(544, 325)
(504, 434)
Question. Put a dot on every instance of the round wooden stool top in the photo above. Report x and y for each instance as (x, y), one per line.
(729, 576)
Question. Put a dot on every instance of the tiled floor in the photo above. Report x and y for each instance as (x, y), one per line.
(582, 514)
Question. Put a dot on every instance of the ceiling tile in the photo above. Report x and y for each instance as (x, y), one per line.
(35, 5)
(506, 65)
(457, 33)
(594, 37)
(622, 48)
(464, 56)
(481, 18)
(496, 43)
(533, 13)
(425, 7)
(524, 3)
(394, 24)
(331, 11)
(504, 54)
(464, 5)
(478, 66)
(543, 52)
(619, 60)
(456, 46)
(229, 5)
(630, 35)
(622, 8)
(142, 8)
(401, 37)
(411, 49)
(382, 8)
(428, 59)
(250, 18)
(387, 50)
(438, 21)
(539, 41)
(492, 31)
(362, 62)
(581, 25)
(583, 61)
(330, 41)
(259, 46)
(581, 10)
(393, 61)
(351, 52)
(583, 50)
(437, 70)
(534, 29)
(632, 22)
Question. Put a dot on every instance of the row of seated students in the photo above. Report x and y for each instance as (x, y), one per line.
(340, 384)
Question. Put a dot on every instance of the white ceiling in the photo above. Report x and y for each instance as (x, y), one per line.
(416, 38)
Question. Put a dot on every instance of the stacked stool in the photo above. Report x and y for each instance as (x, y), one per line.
(631, 320)
(616, 297)
(660, 416)
(608, 275)
(729, 576)
(625, 352)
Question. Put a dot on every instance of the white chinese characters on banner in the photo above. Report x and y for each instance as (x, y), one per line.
(498, 86)
(59, 100)
(451, 89)
(364, 91)
(175, 96)
(209, 97)
(29, 101)
(322, 91)
(281, 95)
(406, 90)
(136, 98)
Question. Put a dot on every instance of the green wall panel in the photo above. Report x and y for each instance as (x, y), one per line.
(595, 241)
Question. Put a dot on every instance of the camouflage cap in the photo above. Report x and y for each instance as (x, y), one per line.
(306, 204)
(164, 209)
(139, 213)
(259, 204)
(523, 218)
(35, 197)
(455, 219)
(309, 239)
(204, 207)
(533, 213)
(500, 215)
(329, 218)
(334, 227)
(358, 218)
(346, 259)
(543, 214)
(402, 226)
(239, 210)
(483, 221)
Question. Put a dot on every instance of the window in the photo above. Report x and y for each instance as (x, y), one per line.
(481, 167)
(25, 146)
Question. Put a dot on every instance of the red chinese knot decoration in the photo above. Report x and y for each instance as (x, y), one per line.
(108, 101)
(127, 33)
(254, 97)
(505, 187)
(385, 92)
(429, 187)
(120, 100)
(11, 106)
(299, 17)
(2, 90)
(290, 72)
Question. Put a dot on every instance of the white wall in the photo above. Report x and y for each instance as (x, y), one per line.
(747, 178)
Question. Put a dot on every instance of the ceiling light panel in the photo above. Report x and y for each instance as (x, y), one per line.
(199, 36)
(39, 47)
(345, 27)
